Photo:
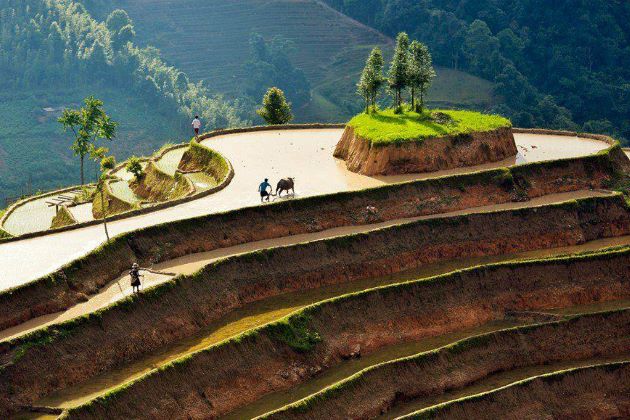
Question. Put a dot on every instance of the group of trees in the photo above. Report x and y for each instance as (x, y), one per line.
(561, 64)
(46, 44)
(411, 68)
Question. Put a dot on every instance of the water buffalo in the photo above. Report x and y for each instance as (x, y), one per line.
(285, 184)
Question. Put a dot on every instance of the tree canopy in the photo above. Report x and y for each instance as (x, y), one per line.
(275, 109)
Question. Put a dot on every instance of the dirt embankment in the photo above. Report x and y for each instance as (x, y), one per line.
(280, 355)
(375, 391)
(139, 325)
(157, 185)
(201, 158)
(111, 203)
(85, 276)
(430, 155)
(596, 392)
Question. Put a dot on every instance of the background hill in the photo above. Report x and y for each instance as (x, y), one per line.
(562, 64)
(209, 40)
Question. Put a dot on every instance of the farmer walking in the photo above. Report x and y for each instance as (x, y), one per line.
(135, 278)
(196, 125)
(262, 189)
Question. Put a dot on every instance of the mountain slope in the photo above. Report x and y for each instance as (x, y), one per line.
(209, 40)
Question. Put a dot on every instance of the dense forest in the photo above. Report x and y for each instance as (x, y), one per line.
(560, 64)
(46, 43)
(54, 53)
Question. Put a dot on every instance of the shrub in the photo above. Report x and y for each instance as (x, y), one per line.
(108, 163)
(134, 166)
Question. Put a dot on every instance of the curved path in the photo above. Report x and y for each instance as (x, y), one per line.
(305, 154)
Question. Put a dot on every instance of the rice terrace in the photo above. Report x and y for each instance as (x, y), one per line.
(318, 216)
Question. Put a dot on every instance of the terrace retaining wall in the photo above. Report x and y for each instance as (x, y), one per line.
(70, 284)
(181, 307)
(283, 354)
(428, 155)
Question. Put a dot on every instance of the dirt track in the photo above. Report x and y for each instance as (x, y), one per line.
(305, 154)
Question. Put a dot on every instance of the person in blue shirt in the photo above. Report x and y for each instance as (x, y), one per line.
(262, 189)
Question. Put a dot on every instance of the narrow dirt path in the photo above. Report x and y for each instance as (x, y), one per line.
(120, 288)
(305, 154)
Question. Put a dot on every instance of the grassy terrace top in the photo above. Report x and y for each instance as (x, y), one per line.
(386, 127)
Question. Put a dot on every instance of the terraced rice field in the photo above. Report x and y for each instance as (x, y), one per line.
(169, 161)
(121, 190)
(272, 310)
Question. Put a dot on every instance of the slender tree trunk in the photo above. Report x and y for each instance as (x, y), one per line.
(413, 98)
(421, 99)
(82, 177)
(103, 210)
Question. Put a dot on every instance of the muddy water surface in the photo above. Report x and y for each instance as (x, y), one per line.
(303, 154)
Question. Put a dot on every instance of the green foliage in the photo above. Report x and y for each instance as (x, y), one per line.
(62, 218)
(397, 78)
(134, 166)
(269, 65)
(88, 124)
(547, 74)
(108, 163)
(420, 73)
(387, 127)
(296, 332)
(275, 109)
(372, 79)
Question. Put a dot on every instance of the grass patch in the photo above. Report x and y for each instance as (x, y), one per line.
(386, 127)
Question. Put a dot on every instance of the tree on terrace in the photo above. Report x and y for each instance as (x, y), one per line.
(371, 79)
(88, 124)
(275, 109)
(398, 71)
(420, 73)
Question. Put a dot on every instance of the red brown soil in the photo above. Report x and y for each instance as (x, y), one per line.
(430, 155)
(599, 392)
(450, 369)
(70, 284)
(239, 372)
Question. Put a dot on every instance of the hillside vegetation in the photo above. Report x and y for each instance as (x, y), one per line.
(52, 55)
(210, 41)
(561, 64)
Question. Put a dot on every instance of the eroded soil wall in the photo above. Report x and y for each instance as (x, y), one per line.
(376, 390)
(86, 275)
(281, 355)
(174, 310)
(598, 392)
(430, 155)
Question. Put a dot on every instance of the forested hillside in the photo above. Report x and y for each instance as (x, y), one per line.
(210, 41)
(561, 64)
(52, 54)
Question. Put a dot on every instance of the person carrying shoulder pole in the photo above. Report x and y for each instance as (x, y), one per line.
(135, 278)
(262, 189)
(196, 125)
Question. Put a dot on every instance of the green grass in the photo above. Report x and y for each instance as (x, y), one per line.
(386, 127)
